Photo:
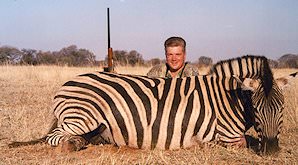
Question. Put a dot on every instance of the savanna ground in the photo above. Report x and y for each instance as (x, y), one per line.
(26, 93)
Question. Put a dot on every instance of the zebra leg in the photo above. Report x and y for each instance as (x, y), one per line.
(73, 143)
(101, 135)
(238, 142)
(68, 142)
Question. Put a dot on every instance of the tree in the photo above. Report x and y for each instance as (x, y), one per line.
(288, 61)
(29, 56)
(73, 56)
(70, 55)
(47, 58)
(205, 61)
(123, 58)
(134, 58)
(273, 63)
(155, 61)
(86, 57)
(9, 55)
(119, 57)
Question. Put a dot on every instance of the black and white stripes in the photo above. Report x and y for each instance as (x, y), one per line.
(147, 113)
(138, 111)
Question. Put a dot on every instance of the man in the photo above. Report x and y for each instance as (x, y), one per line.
(175, 61)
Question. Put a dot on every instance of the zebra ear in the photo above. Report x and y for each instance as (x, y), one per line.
(283, 82)
(248, 84)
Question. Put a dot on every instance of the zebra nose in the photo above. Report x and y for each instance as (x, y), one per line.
(269, 145)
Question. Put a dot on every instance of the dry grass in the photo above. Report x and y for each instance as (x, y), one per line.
(25, 103)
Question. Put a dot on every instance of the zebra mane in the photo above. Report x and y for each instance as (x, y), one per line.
(265, 74)
(238, 58)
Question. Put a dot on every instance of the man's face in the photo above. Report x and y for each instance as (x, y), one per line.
(175, 57)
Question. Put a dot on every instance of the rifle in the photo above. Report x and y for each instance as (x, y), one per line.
(110, 67)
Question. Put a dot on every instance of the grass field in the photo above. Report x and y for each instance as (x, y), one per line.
(26, 94)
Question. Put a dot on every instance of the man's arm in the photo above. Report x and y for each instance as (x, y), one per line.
(190, 70)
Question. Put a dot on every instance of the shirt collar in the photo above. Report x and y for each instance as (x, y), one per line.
(168, 75)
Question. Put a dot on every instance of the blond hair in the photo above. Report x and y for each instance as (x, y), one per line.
(175, 41)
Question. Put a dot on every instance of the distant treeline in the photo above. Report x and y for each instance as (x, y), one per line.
(74, 56)
(70, 55)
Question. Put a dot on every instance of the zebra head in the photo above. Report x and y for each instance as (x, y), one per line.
(268, 103)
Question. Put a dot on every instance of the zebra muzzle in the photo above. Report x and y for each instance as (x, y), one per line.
(269, 145)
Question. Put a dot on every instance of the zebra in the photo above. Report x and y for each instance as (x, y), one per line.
(266, 100)
(157, 113)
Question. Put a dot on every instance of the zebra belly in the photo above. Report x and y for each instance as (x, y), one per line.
(147, 141)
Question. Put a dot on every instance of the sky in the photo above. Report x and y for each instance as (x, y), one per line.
(219, 29)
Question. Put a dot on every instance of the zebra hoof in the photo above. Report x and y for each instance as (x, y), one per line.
(75, 143)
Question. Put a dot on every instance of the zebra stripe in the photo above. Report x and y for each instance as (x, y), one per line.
(142, 112)
(167, 109)
(265, 103)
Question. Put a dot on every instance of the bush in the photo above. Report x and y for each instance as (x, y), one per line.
(9, 55)
(124, 58)
(288, 61)
(204, 61)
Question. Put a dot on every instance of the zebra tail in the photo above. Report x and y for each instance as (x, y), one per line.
(36, 141)
(31, 142)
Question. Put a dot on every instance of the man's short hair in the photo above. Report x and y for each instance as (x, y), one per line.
(175, 41)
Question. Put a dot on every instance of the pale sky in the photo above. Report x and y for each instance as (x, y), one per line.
(219, 29)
